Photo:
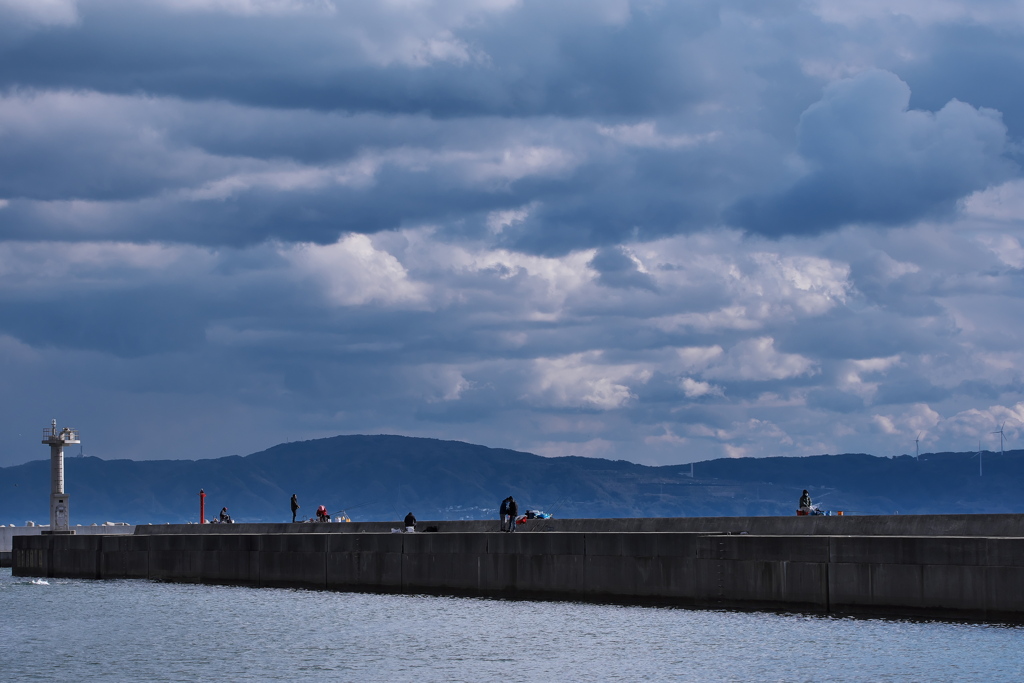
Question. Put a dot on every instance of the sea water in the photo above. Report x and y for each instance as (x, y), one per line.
(137, 630)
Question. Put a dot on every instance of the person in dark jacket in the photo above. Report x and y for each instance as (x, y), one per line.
(503, 513)
(513, 512)
(805, 501)
(410, 521)
(295, 506)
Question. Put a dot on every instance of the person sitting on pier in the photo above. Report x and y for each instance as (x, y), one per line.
(410, 522)
(225, 518)
(322, 515)
(805, 503)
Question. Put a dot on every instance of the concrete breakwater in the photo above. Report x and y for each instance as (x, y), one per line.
(974, 577)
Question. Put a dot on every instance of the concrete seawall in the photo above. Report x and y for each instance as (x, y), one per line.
(972, 577)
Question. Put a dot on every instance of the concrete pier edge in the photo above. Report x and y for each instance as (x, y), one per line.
(861, 525)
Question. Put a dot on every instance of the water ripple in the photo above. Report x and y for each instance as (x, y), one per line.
(143, 630)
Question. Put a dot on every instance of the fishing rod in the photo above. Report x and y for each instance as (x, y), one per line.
(558, 505)
(354, 507)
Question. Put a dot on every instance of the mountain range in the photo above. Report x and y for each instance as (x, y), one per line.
(382, 477)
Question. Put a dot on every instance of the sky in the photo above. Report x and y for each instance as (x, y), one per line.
(654, 231)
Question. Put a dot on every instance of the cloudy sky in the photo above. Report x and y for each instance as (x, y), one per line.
(655, 231)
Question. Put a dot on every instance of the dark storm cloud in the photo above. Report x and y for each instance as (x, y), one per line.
(219, 174)
(872, 160)
(633, 193)
(582, 63)
(867, 334)
(126, 324)
(958, 54)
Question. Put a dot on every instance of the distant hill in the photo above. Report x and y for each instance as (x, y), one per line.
(383, 477)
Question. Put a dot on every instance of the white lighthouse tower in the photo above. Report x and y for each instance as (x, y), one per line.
(60, 522)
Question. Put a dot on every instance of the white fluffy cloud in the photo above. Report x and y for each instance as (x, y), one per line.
(758, 360)
(353, 272)
(1004, 202)
(583, 380)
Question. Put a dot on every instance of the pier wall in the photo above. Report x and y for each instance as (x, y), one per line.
(962, 577)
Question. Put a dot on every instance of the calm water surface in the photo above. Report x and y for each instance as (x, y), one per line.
(140, 630)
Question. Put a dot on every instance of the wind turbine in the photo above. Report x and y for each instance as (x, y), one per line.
(978, 454)
(1000, 433)
(917, 446)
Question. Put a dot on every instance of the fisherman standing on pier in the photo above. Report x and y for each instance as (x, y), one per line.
(295, 506)
(503, 513)
(513, 512)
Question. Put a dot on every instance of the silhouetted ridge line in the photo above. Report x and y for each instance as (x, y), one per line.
(388, 475)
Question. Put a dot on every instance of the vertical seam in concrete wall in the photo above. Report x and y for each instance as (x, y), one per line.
(922, 568)
(586, 564)
(828, 576)
(721, 568)
(490, 560)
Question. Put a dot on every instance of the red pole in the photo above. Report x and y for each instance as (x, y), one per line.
(202, 506)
